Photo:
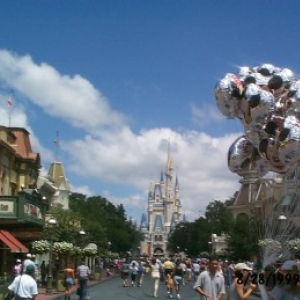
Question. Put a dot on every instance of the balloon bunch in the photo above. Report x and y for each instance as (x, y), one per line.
(267, 101)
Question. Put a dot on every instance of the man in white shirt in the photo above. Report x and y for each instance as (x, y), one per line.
(24, 286)
(210, 284)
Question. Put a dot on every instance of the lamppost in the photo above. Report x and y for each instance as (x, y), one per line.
(108, 247)
(210, 247)
(82, 233)
(139, 252)
(51, 224)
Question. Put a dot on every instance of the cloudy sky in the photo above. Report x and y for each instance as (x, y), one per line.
(121, 79)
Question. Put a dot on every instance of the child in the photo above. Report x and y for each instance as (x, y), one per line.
(169, 284)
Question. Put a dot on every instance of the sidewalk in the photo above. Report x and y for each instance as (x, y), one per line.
(61, 295)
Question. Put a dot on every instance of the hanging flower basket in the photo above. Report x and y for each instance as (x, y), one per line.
(269, 243)
(89, 252)
(40, 247)
(294, 244)
(76, 251)
(62, 248)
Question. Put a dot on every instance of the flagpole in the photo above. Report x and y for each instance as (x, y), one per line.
(56, 143)
(9, 103)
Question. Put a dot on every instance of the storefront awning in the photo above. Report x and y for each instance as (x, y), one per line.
(12, 243)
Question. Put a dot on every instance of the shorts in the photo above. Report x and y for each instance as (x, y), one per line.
(69, 281)
(124, 275)
(167, 271)
(177, 280)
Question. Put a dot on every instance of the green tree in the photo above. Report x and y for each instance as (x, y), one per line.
(105, 223)
(243, 239)
(219, 216)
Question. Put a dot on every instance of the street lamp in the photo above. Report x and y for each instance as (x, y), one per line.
(210, 247)
(82, 233)
(51, 224)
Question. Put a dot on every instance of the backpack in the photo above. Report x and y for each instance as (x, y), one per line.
(125, 268)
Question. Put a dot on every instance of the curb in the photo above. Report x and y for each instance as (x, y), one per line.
(62, 296)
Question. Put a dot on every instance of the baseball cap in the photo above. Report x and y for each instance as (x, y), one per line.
(30, 268)
(242, 266)
(18, 260)
(28, 255)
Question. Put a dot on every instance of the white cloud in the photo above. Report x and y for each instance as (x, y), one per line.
(112, 152)
(62, 96)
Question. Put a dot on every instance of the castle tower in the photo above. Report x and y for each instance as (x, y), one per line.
(164, 213)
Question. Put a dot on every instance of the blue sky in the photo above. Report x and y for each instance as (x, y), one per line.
(119, 79)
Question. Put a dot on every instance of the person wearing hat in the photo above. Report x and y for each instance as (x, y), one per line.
(287, 288)
(210, 283)
(17, 268)
(27, 262)
(237, 289)
(24, 286)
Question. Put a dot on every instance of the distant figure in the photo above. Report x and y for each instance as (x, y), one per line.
(28, 261)
(43, 272)
(69, 281)
(134, 271)
(83, 273)
(155, 275)
(125, 272)
(17, 268)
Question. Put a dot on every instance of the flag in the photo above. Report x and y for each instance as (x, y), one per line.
(9, 101)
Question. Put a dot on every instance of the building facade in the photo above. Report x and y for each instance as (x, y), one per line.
(164, 213)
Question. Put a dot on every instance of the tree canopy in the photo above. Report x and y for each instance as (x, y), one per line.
(104, 224)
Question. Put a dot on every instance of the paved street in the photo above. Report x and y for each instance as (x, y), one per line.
(112, 289)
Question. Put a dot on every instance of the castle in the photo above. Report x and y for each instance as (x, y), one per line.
(164, 213)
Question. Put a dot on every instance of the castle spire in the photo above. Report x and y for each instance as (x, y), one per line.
(169, 160)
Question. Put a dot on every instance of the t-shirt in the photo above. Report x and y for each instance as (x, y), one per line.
(196, 267)
(168, 265)
(26, 288)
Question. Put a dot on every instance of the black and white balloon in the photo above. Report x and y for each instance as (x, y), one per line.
(266, 99)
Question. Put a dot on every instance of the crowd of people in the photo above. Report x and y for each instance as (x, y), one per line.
(214, 279)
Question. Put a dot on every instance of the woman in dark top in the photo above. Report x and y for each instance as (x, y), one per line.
(178, 277)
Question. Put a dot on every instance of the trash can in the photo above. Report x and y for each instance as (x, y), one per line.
(60, 281)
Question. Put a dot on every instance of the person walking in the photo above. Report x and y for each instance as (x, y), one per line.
(134, 271)
(83, 273)
(178, 276)
(125, 268)
(140, 274)
(24, 286)
(69, 281)
(168, 273)
(195, 270)
(155, 275)
(188, 270)
(210, 283)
